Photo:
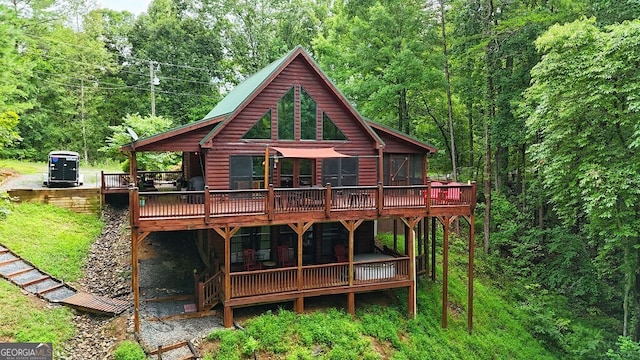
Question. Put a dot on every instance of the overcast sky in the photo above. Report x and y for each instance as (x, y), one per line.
(133, 6)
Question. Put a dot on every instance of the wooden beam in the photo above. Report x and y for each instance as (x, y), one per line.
(300, 228)
(351, 303)
(410, 250)
(472, 246)
(226, 233)
(433, 249)
(445, 271)
(142, 236)
(135, 284)
(351, 226)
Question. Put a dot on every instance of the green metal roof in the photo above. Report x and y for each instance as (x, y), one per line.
(399, 134)
(245, 89)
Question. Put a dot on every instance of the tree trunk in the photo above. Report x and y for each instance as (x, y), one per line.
(490, 116)
(454, 167)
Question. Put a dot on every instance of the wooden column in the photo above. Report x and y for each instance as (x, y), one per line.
(226, 234)
(472, 246)
(135, 280)
(410, 224)
(445, 269)
(351, 226)
(433, 249)
(300, 228)
(351, 303)
(136, 239)
(427, 251)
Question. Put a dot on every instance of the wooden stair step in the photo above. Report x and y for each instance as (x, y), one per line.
(166, 348)
(35, 281)
(55, 287)
(11, 261)
(4, 251)
(18, 272)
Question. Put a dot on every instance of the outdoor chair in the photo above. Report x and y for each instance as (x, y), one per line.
(250, 262)
(341, 256)
(453, 194)
(283, 257)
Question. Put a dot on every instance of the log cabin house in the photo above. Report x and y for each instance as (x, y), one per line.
(286, 184)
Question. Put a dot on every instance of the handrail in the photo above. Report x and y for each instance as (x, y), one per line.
(274, 202)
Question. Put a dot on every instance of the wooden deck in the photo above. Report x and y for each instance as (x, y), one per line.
(176, 210)
(280, 284)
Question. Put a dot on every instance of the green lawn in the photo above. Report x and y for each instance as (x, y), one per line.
(55, 240)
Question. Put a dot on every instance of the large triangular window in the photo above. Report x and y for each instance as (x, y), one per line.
(261, 129)
(308, 116)
(330, 130)
(286, 115)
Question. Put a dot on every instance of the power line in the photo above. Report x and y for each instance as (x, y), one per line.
(127, 57)
(78, 86)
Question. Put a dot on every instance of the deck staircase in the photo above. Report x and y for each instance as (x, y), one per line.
(208, 289)
(29, 278)
(182, 350)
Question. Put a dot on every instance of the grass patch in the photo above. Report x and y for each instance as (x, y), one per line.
(26, 319)
(54, 239)
(23, 167)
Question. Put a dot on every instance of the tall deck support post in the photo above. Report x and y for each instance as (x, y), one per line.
(351, 303)
(351, 226)
(226, 233)
(410, 224)
(472, 246)
(133, 199)
(433, 249)
(445, 269)
(427, 252)
(135, 281)
(300, 228)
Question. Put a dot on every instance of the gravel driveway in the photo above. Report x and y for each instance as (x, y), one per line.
(92, 179)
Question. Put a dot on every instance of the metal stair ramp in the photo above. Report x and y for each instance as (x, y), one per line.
(26, 276)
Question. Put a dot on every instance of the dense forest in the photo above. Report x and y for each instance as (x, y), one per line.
(537, 100)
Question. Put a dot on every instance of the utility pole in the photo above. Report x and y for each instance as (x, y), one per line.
(153, 80)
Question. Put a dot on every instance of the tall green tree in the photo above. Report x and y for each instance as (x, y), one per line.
(173, 44)
(583, 116)
(379, 52)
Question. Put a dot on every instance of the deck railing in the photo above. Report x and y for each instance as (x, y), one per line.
(280, 280)
(262, 282)
(122, 181)
(208, 289)
(275, 201)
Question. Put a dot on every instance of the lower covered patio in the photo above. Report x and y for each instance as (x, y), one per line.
(292, 262)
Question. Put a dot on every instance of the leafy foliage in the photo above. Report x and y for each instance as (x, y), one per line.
(142, 126)
(129, 350)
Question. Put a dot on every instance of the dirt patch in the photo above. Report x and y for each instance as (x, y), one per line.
(6, 174)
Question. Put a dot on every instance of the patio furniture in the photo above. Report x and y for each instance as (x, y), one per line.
(340, 253)
(283, 257)
(250, 262)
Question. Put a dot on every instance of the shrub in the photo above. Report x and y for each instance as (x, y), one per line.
(129, 350)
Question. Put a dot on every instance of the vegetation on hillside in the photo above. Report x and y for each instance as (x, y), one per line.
(56, 241)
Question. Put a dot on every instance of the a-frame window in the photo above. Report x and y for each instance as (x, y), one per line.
(261, 129)
(308, 116)
(329, 129)
(286, 117)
